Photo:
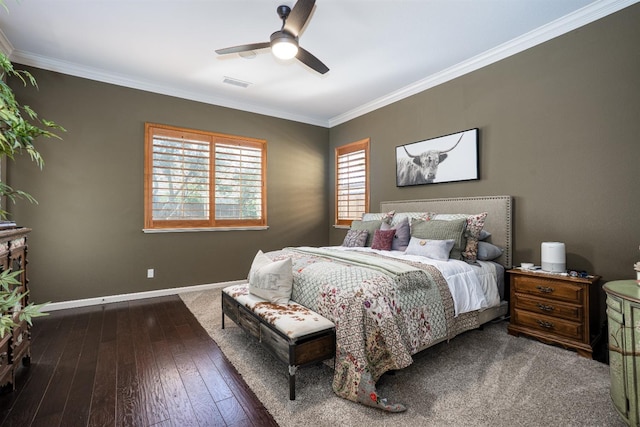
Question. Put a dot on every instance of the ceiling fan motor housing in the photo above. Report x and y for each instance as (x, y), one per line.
(283, 11)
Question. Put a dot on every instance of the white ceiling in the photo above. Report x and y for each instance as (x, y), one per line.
(378, 51)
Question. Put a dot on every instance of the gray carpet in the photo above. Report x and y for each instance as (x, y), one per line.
(481, 378)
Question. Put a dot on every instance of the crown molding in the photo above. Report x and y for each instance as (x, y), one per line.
(570, 22)
(76, 70)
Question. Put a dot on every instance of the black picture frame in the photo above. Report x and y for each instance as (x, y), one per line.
(447, 158)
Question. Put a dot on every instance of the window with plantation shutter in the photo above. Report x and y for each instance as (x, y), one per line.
(238, 192)
(352, 181)
(196, 179)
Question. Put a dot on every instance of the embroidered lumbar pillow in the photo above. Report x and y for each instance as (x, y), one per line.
(271, 280)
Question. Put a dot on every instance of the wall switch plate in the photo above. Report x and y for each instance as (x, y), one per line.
(150, 273)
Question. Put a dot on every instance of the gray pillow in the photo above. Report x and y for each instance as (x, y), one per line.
(488, 251)
(435, 249)
(442, 230)
(355, 238)
(370, 226)
(484, 235)
(402, 236)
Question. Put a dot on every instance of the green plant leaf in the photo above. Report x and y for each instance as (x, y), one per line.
(20, 126)
(32, 310)
(6, 324)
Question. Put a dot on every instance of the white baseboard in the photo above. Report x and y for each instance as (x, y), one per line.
(134, 296)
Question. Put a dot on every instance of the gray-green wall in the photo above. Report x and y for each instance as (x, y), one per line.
(87, 238)
(559, 131)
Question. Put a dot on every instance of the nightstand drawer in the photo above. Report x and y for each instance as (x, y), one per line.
(549, 288)
(549, 324)
(549, 307)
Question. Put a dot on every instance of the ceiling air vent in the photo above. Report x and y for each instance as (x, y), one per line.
(235, 82)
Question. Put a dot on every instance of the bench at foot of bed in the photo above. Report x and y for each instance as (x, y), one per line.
(292, 333)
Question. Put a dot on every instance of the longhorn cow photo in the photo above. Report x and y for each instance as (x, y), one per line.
(443, 159)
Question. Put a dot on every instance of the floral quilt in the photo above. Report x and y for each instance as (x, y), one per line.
(384, 310)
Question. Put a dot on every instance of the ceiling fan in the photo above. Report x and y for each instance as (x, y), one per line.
(284, 43)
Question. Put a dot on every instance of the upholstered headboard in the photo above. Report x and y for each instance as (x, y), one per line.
(498, 221)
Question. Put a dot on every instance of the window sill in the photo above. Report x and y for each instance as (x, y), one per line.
(342, 227)
(193, 230)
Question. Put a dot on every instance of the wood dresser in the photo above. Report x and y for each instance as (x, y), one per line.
(554, 308)
(15, 346)
(623, 313)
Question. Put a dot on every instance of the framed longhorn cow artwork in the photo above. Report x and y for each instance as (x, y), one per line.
(447, 158)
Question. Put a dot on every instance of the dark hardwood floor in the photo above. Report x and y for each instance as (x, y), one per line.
(140, 363)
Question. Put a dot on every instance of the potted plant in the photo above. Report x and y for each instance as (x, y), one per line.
(19, 127)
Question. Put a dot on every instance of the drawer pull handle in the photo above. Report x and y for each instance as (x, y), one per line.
(546, 307)
(544, 324)
(544, 289)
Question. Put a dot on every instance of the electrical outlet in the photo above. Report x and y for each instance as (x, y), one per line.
(150, 273)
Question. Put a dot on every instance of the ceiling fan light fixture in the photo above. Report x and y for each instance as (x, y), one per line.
(283, 45)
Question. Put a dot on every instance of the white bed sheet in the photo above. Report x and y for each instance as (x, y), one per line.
(472, 287)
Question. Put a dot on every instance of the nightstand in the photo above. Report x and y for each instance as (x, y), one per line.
(553, 308)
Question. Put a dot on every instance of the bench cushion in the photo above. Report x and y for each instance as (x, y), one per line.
(293, 320)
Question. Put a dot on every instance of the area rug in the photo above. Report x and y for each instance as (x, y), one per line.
(481, 378)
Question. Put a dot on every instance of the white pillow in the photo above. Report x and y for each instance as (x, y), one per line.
(271, 280)
(435, 249)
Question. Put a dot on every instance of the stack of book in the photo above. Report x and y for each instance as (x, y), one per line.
(7, 224)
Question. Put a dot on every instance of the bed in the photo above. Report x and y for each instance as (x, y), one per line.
(387, 305)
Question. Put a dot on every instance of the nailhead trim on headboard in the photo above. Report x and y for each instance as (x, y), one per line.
(498, 221)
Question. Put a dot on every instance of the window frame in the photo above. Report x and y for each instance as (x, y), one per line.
(361, 145)
(213, 138)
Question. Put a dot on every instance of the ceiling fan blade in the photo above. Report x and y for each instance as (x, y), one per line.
(298, 16)
(243, 48)
(311, 61)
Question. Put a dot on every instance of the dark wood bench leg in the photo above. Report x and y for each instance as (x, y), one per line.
(222, 306)
(292, 382)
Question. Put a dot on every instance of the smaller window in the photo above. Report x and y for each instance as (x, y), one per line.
(352, 181)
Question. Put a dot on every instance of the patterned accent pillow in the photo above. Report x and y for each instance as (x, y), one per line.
(402, 236)
(475, 223)
(355, 238)
(435, 249)
(382, 239)
(370, 226)
(384, 216)
(271, 280)
(442, 230)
